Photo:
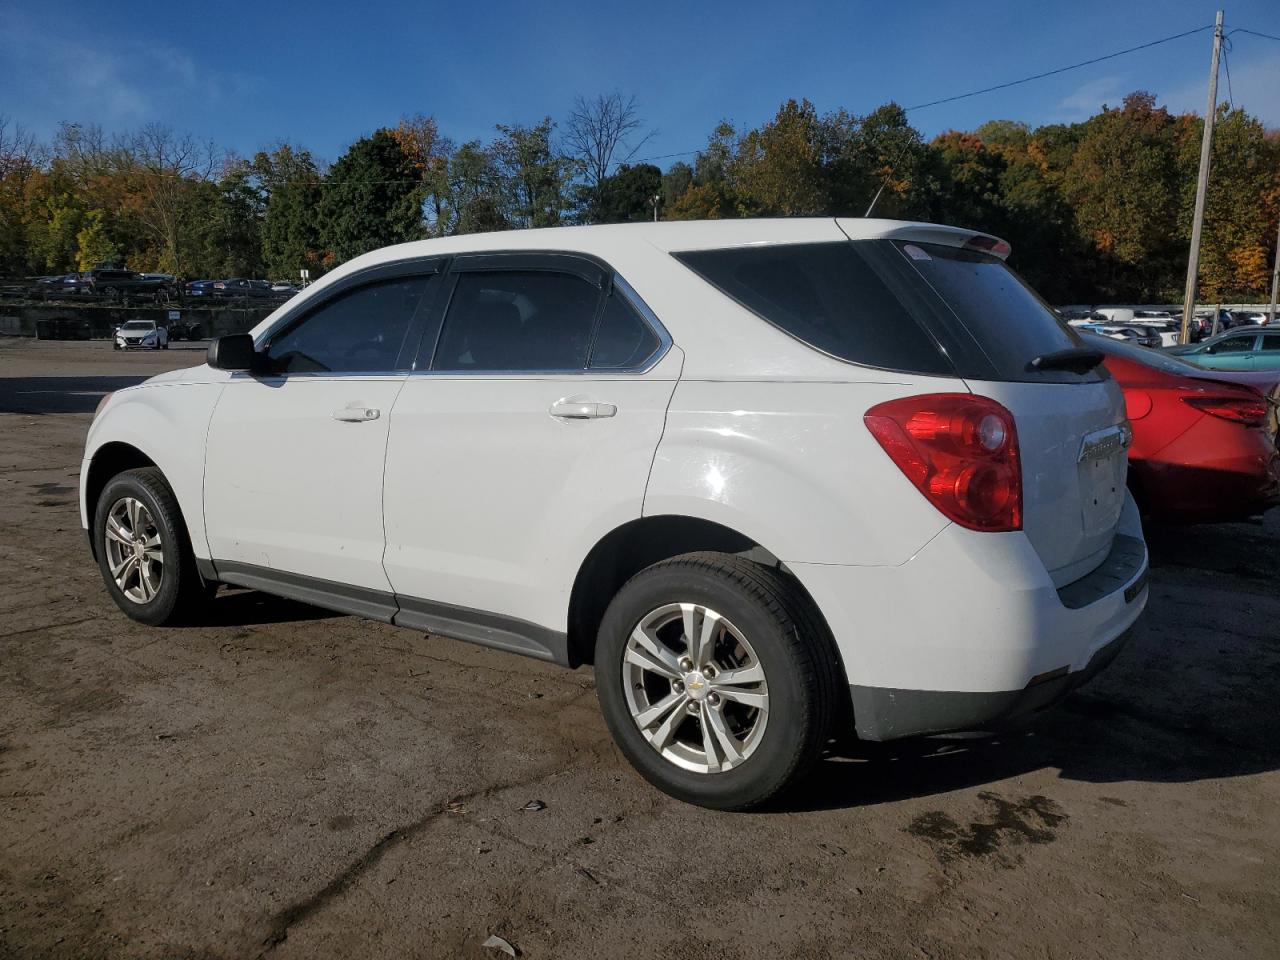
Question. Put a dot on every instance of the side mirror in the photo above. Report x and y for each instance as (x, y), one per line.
(233, 352)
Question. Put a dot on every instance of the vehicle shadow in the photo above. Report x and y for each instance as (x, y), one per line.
(1192, 697)
(236, 607)
(40, 395)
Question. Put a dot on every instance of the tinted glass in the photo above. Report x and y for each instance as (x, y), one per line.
(825, 295)
(517, 320)
(1007, 318)
(1271, 343)
(359, 332)
(623, 340)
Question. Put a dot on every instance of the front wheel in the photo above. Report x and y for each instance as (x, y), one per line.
(143, 552)
(715, 680)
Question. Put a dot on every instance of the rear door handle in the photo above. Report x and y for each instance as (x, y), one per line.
(357, 414)
(582, 410)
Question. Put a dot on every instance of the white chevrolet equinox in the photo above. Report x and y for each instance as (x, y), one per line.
(775, 479)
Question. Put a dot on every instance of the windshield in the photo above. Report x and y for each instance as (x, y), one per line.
(1143, 355)
(139, 325)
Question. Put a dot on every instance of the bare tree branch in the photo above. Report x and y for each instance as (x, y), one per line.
(599, 130)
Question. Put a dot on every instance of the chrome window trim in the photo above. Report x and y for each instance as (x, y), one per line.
(647, 316)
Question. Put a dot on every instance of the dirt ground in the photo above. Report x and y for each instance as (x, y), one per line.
(293, 783)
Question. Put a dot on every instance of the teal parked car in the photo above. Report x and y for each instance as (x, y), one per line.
(1241, 348)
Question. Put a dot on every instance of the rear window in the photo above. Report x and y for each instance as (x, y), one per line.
(1009, 321)
(826, 295)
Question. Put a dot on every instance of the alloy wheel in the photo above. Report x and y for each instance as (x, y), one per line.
(695, 688)
(135, 553)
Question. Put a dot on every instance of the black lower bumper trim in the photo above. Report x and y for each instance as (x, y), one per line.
(887, 713)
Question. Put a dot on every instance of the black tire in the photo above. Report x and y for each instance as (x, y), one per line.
(182, 596)
(792, 647)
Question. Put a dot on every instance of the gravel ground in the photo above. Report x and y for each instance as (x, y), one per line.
(293, 783)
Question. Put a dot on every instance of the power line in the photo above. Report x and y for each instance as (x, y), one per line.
(1051, 73)
(1254, 33)
(1014, 83)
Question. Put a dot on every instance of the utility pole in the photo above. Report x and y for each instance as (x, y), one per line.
(1275, 280)
(1202, 186)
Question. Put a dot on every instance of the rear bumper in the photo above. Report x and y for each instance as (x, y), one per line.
(971, 632)
(884, 714)
(1232, 485)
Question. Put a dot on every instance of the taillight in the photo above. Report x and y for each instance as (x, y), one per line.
(960, 451)
(1250, 412)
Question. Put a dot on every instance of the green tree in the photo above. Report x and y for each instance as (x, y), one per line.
(93, 246)
(372, 198)
(1122, 182)
(289, 185)
(778, 170)
(535, 175)
(474, 192)
(626, 195)
(1241, 205)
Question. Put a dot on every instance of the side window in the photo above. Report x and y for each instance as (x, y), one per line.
(360, 331)
(624, 340)
(1271, 343)
(1234, 345)
(517, 320)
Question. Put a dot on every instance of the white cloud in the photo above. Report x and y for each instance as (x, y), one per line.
(52, 77)
(1089, 97)
(1255, 84)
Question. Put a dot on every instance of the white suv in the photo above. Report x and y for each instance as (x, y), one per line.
(776, 480)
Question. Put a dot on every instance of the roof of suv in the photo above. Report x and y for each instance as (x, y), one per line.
(670, 236)
(640, 252)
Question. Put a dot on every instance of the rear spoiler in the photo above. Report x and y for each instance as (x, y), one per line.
(861, 229)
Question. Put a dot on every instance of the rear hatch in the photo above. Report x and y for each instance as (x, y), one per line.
(1008, 344)
(941, 302)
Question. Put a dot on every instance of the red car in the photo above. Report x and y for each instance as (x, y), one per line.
(1204, 441)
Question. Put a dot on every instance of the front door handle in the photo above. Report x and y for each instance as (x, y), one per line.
(581, 410)
(356, 414)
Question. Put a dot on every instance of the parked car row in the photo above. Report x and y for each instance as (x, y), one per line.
(130, 286)
(241, 288)
(107, 283)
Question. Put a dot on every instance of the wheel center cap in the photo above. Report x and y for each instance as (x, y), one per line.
(697, 685)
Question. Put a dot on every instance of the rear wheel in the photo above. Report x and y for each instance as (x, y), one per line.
(143, 551)
(713, 679)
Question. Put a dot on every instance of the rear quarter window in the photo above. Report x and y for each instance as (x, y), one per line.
(904, 306)
(825, 295)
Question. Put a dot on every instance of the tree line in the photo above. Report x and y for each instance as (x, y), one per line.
(1096, 211)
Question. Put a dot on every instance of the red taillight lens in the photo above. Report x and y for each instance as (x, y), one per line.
(1252, 413)
(960, 451)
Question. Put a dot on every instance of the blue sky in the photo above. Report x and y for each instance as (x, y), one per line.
(322, 75)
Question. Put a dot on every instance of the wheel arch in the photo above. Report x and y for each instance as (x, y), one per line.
(629, 548)
(110, 459)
